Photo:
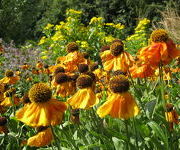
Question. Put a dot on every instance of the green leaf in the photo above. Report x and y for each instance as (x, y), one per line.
(158, 132)
(149, 108)
(118, 143)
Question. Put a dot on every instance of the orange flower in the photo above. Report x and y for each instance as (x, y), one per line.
(171, 115)
(10, 98)
(72, 60)
(35, 71)
(42, 138)
(43, 110)
(65, 89)
(39, 65)
(167, 75)
(9, 78)
(106, 55)
(10, 101)
(162, 49)
(116, 58)
(52, 69)
(120, 62)
(141, 71)
(25, 66)
(120, 103)
(85, 97)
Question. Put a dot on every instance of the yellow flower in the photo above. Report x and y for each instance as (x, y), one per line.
(85, 97)
(58, 27)
(142, 24)
(109, 38)
(43, 110)
(96, 20)
(72, 11)
(42, 138)
(44, 57)
(84, 44)
(61, 22)
(120, 103)
(57, 36)
(109, 24)
(9, 78)
(42, 40)
(48, 26)
(119, 26)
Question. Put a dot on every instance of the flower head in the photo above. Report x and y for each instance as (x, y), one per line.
(84, 81)
(61, 78)
(82, 68)
(119, 84)
(71, 47)
(40, 92)
(94, 66)
(9, 73)
(58, 70)
(159, 35)
(116, 48)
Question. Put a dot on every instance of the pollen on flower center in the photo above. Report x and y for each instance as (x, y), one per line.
(71, 47)
(119, 84)
(116, 48)
(84, 81)
(61, 78)
(58, 70)
(159, 35)
(40, 92)
(9, 73)
(83, 68)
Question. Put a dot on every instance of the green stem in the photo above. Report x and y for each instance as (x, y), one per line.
(162, 87)
(127, 134)
(55, 139)
(135, 130)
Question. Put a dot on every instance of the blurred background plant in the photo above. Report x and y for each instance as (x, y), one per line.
(25, 20)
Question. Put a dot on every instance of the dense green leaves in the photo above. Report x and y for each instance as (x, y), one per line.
(22, 20)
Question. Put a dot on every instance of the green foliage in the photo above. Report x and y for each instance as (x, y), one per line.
(23, 20)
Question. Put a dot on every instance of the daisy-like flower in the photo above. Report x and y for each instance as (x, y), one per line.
(39, 65)
(83, 68)
(25, 66)
(171, 115)
(85, 97)
(43, 109)
(141, 70)
(102, 76)
(9, 78)
(63, 85)
(73, 58)
(43, 138)
(10, 98)
(116, 58)
(161, 50)
(120, 103)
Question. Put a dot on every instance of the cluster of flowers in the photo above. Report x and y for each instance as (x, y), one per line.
(81, 81)
(72, 29)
